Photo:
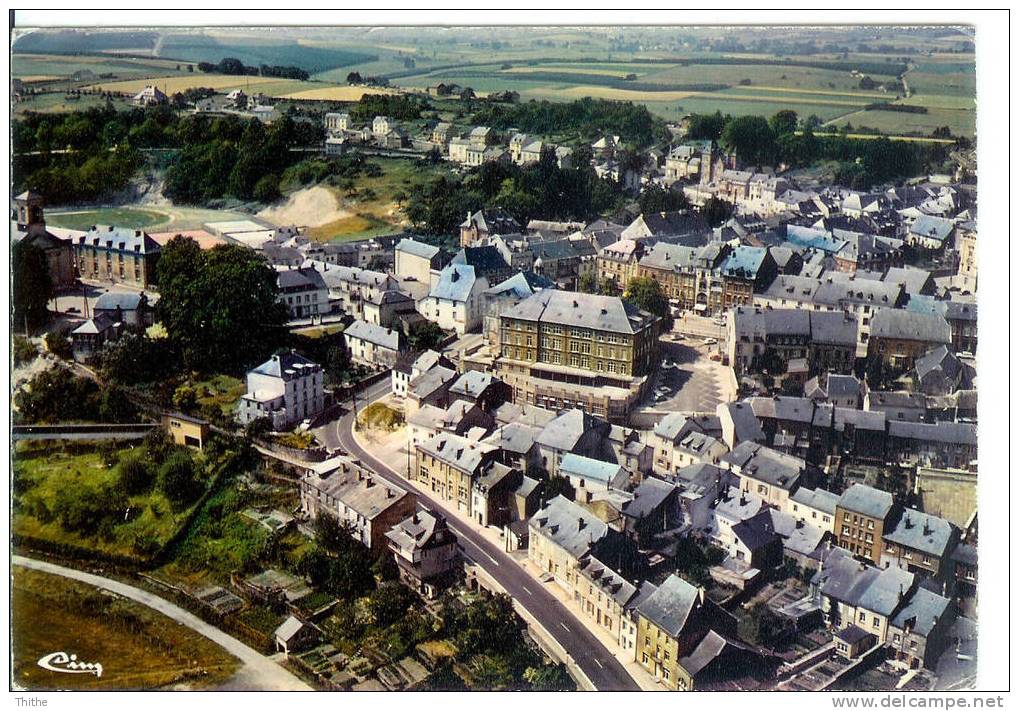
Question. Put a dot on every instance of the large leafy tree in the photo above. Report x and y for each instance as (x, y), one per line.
(783, 122)
(647, 294)
(212, 302)
(33, 286)
(751, 138)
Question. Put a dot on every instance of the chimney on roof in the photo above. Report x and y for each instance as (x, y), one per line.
(581, 523)
(415, 518)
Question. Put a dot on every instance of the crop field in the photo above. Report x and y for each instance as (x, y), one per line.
(212, 46)
(183, 82)
(23, 65)
(333, 93)
(138, 647)
(961, 123)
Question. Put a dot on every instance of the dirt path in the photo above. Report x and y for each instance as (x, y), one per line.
(259, 673)
(310, 207)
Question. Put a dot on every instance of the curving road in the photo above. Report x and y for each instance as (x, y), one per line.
(259, 672)
(597, 663)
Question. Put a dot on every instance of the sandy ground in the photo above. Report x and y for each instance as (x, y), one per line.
(310, 207)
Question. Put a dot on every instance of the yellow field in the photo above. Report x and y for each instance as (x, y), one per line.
(35, 78)
(908, 139)
(180, 82)
(607, 92)
(336, 93)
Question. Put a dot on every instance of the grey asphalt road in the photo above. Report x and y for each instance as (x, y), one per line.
(259, 672)
(601, 667)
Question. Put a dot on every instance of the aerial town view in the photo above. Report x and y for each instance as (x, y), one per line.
(489, 358)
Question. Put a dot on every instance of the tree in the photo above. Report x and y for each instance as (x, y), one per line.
(133, 476)
(783, 122)
(655, 198)
(706, 126)
(57, 395)
(32, 284)
(750, 138)
(647, 294)
(425, 335)
(588, 283)
(716, 211)
(389, 602)
(212, 301)
(58, 344)
(550, 677)
(179, 479)
(267, 189)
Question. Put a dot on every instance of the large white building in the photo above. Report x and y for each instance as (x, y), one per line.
(287, 388)
(455, 301)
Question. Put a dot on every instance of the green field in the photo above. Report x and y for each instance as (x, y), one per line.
(43, 473)
(130, 217)
(138, 647)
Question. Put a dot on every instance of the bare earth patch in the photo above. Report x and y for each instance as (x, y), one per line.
(311, 207)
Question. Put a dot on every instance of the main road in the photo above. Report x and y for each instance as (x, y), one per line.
(603, 670)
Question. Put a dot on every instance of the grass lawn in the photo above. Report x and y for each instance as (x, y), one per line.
(221, 390)
(372, 206)
(130, 217)
(137, 647)
(45, 472)
(379, 416)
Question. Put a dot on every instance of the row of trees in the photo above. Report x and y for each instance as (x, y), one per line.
(785, 139)
(233, 66)
(588, 117)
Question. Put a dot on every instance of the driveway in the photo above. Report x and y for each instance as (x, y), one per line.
(259, 672)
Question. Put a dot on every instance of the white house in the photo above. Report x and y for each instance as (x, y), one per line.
(455, 301)
(372, 345)
(287, 388)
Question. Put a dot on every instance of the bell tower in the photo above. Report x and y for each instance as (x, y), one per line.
(28, 212)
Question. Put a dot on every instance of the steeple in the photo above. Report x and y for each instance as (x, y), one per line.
(28, 212)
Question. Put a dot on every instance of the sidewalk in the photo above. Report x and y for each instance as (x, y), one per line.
(389, 450)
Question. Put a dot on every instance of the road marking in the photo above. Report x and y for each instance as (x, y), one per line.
(526, 590)
(490, 557)
(599, 664)
(563, 625)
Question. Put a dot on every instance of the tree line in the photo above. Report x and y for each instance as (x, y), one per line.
(235, 67)
(785, 139)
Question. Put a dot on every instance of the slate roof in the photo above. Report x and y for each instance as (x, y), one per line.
(963, 433)
(431, 380)
(819, 499)
(930, 227)
(569, 526)
(669, 607)
(525, 414)
(118, 238)
(125, 301)
(287, 365)
(486, 259)
(767, 465)
(415, 532)
(563, 432)
(493, 221)
(901, 324)
(744, 262)
(921, 531)
(573, 308)
(867, 500)
(417, 249)
(455, 283)
(608, 581)
(514, 437)
(924, 610)
(301, 278)
(456, 451)
(589, 469)
(647, 497)
(745, 423)
(521, 285)
(472, 383)
(710, 648)
(676, 425)
(377, 335)
(95, 325)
